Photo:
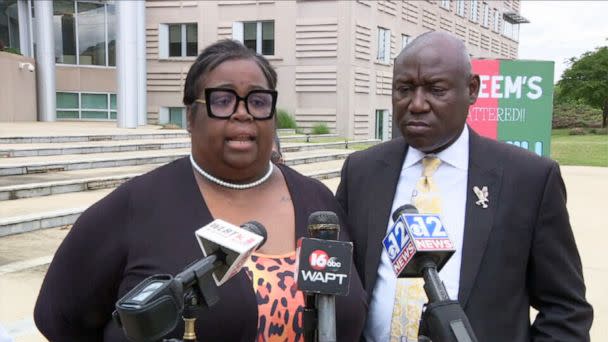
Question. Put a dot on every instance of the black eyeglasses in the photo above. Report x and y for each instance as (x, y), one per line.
(222, 103)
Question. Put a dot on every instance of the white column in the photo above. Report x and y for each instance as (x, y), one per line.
(126, 64)
(45, 60)
(142, 109)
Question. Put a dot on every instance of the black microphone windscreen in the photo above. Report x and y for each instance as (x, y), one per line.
(404, 209)
(256, 228)
(323, 217)
(324, 225)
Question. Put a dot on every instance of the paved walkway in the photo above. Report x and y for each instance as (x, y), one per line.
(587, 189)
(73, 128)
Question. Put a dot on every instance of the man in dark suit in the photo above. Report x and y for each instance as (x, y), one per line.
(515, 247)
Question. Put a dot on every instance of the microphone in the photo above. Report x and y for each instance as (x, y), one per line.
(152, 309)
(418, 245)
(230, 244)
(323, 271)
(323, 225)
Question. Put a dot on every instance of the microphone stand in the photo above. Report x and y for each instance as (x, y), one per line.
(309, 317)
(200, 292)
(203, 291)
(443, 320)
(319, 318)
(191, 304)
(324, 305)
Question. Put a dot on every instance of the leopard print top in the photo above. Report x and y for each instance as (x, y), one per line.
(280, 304)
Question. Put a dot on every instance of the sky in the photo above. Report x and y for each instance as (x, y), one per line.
(559, 30)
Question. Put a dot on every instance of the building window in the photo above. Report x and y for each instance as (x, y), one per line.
(496, 20)
(111, 15)
(250, 36)
(91, 106)
(507, 29)
(486, 15)
(510, 30)
(172, 115)
(178, 40)
(9, 24)
(175, 40)
(515, 35)
(382, 125)
(445, 4)
(460, 8)
(64, 29)
(474, 10)
(68, 106)
(176, 116)
(384, 45)
(112, 106)
(94, 106)
(84, 33)
(256, 35)
(405, 39)
(92, 33)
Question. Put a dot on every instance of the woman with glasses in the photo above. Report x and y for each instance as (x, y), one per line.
(146, 226)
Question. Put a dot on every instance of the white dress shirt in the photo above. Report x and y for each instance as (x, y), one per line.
(451, 179)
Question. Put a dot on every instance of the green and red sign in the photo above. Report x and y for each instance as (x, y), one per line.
(515, 103)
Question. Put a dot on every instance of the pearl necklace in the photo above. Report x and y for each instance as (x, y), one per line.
(232, 185)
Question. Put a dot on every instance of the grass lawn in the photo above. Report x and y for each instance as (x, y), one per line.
(317, 139)
(586, 150)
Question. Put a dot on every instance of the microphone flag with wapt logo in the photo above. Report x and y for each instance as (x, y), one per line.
(323, 266)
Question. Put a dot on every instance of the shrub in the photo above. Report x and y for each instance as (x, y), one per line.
(576, 131)
(11, 50)
(171, 126)
(570, 115)
(284, 120)
(599, 131)
(319, 128)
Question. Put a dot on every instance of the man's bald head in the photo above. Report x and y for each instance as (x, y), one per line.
(432, 91)
(447, 43)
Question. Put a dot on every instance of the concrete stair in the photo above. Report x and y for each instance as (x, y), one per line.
(10, 150)
(38, 139)
(53, 183)
(47, 181)
(50, 183)
(43, 164)
(16, 148)
(24, 215)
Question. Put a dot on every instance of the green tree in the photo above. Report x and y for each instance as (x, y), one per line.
(586, 81)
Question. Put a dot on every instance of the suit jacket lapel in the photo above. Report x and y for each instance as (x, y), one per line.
(386, 170)
(483, 171)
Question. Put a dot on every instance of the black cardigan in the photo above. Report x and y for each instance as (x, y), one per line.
(145, 227)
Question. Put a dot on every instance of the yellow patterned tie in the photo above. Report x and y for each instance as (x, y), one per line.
(409, 294)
